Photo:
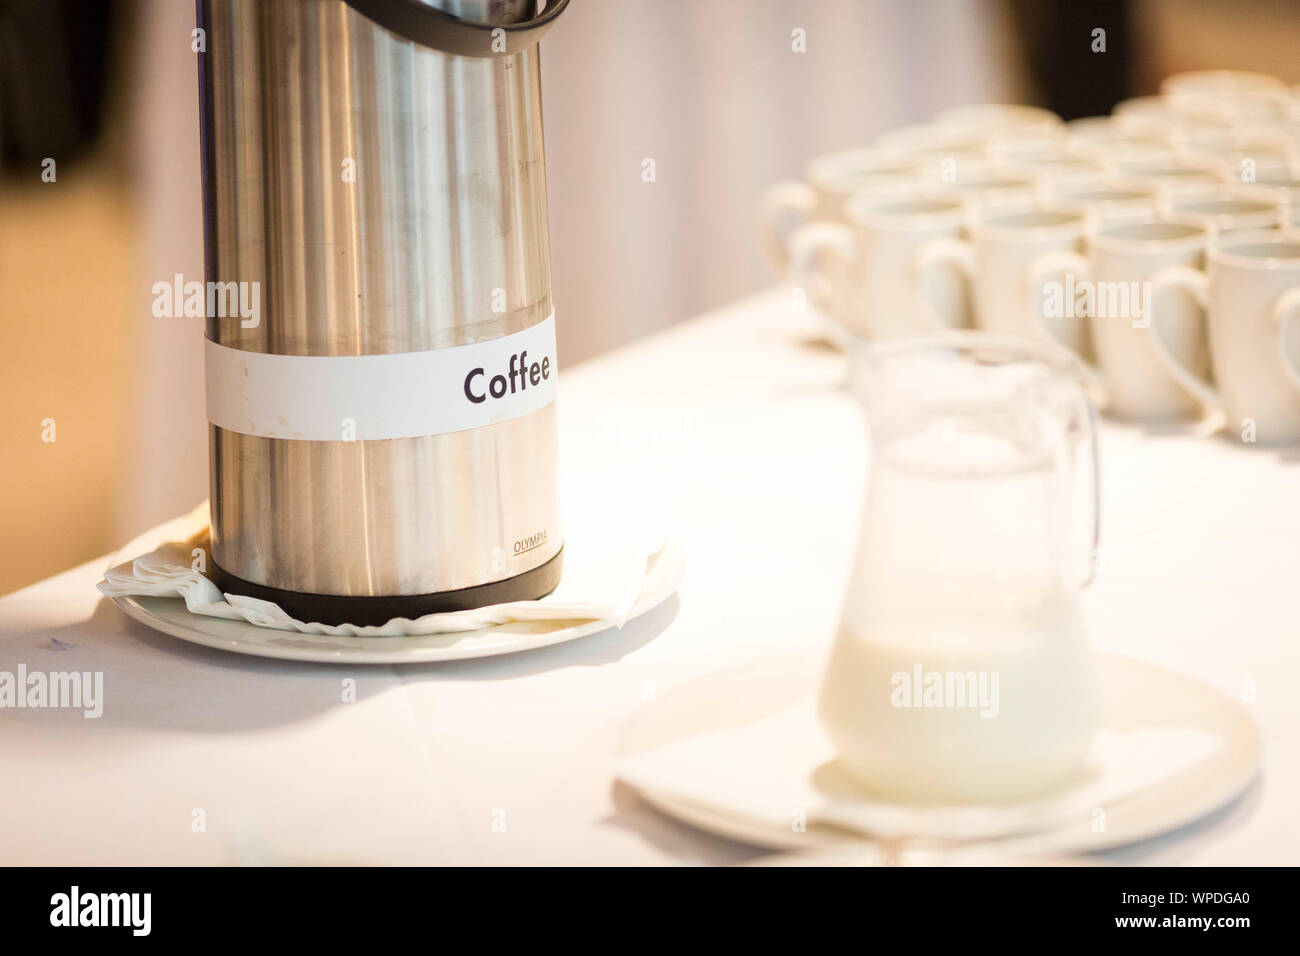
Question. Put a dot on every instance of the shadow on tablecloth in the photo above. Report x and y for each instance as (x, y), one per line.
(155, 681)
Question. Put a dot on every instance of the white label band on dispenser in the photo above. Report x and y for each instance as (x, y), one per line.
(369, 397)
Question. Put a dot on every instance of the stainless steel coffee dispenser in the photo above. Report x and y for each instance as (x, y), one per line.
(382, 429)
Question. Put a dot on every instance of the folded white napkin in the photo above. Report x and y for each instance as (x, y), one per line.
(772, 769)
(614, 524)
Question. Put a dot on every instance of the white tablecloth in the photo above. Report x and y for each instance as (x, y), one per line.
(508, 760)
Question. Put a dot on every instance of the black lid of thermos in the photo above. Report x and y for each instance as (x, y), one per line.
(429, 26)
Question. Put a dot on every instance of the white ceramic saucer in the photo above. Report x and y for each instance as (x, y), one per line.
(1136, 695)
(169, 615)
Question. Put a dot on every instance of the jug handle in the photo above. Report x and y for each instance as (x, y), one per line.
(1094, 474)
(439, 30)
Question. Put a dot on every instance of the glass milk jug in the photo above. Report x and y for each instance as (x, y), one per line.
(961, 671)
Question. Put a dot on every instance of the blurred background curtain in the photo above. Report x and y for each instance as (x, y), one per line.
(712, 91)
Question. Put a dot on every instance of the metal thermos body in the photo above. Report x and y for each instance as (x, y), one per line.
(377, 167)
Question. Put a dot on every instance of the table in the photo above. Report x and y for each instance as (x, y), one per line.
(204, 757)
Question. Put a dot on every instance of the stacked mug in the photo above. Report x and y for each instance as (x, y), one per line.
(1160, 245)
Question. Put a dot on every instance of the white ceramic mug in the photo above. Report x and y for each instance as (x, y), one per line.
(1203, 133)
(939, 149)
(1251, 293)
(1006, 259)
(1218, 82)
(1008, 126)
(999, 117)
(1118, 156)
(1172, 175)
(1286, 129)
(865, 277)
(1111, 286)
(1098, 137)
(1235, 207)
(1234, 94)
(1113, 200)
(1193, 126)
(1056, 168)
(1246, 157)
(988, 186)
(1144, 114)
(1291, 186)
(828, 182)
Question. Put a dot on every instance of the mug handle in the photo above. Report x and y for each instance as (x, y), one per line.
(1286, 313)
(819, 252)
(1197, 284)
(1051, 263)
(781, 203)
(956, 254)
(1093, 427)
